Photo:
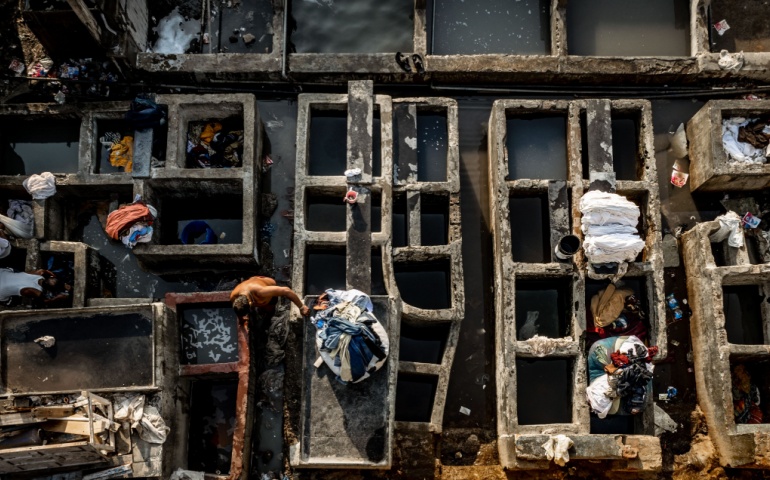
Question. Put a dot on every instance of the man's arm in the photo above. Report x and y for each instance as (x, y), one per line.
(285, 292)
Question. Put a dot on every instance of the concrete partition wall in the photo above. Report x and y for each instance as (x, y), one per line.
(231, 189)
(710, 169)
(716, 351)
(397, 177)
(518, 273)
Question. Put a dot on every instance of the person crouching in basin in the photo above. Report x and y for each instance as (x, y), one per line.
(261, 294)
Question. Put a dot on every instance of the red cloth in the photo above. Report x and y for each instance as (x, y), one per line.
(125, 216)
(651, 352)
(619, 360)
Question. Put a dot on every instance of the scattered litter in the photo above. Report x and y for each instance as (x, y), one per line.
(663, 397)
(684, 300)
(267, 230)
(721, 27)
(675, 343)
(673, 305)
(679, 142)
(663, 421)
(175, 33)
(482, 380)
(46, 341)
(730, 229)
(750, 221)
(16, 66)
(180, 474)
(671, 392)
(248, 39)
(679, 179)
(751, 96)
(222, 235)
(557, 449)
(689, 369)
(465, 410)
(351, 197)
(206, 38)
(730, 61)
(352, 173)
(286, 253)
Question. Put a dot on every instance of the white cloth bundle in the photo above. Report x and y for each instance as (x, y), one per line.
(609, 224)
(41, 186)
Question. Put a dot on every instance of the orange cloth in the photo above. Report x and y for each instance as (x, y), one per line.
(209, 131)
(125, 216)
(122, 153)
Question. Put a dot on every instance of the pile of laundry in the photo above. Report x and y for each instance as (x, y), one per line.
(215, 144)
(20, 223)
(619, 376)
(121, 148)
(350, 340)
(609, 225)
(745, 397)
(617, 312)
(746, 140)
(131, 223)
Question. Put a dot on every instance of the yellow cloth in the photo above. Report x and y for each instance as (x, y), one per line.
(122, 153)
(607, 305)
(209, 131)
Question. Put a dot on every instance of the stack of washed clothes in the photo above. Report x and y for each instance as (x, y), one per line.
(619, 376)
(350, 340)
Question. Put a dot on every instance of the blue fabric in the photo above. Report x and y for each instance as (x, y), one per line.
(359, 353)
(195, 229)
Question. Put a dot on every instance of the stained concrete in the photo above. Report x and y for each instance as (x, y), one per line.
(513, 436)
(737, 445)
(710, 169)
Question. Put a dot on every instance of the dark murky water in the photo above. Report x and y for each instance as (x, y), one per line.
(434, 219)
(625, 147)
(212, 411)
(327, 153)
(545, 391)
(468, 27)
(325, 268)
(28, 147)
(247, 17)
(622, 28)
(424, 344)
(326, 214)
(413, 280)
(414, 397)
(542, 308)
(352, 26)
(530, 229)
(86, 348)
(743, 314)
(209, 334)
(432, 138)
(537, 147)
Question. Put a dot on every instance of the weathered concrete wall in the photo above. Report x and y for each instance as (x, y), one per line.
(737, 445)
(641, 452)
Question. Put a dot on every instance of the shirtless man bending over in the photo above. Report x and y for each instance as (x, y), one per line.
(261, 293)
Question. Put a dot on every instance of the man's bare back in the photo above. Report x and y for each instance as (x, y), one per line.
(259, 292)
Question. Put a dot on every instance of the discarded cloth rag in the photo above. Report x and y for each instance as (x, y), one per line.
(737, 150)
(40, 186)
(730, 229)
(557, 449)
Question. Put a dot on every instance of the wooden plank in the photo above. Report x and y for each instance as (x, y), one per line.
(9, 419)
(74, 427)
(85, 16)
(57, 411)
